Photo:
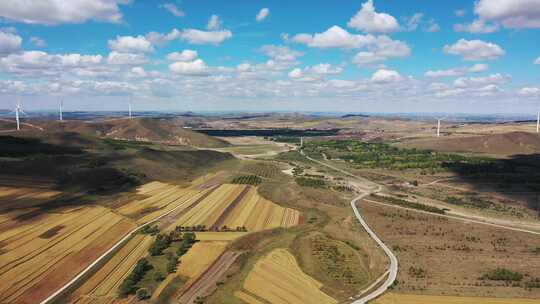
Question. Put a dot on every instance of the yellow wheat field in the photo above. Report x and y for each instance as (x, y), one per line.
(247, 298)
(393, 298)
(219, 236)
(199, 258)
(40, 255)
(105, 282)
(278, 279)
(238, 206)
(24, 197)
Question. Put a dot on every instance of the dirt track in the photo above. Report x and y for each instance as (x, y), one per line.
(207, 281)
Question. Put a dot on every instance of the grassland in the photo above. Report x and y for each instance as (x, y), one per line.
(278, 279)
(341, 267)
(394, 298)
(447, 257)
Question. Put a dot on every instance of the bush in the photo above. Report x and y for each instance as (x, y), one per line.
(142, 293)
(128, 286)
(253, 180)
(162, 242)
(501, 274)
(158, 277)
(310, 182)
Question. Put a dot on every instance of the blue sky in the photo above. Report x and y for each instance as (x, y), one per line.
(372, 56)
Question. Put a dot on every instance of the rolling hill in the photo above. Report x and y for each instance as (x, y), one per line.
(511, 143)
(164, 131)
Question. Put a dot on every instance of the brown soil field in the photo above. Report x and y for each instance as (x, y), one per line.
(41, 253)
(504, 144)
(440, 256)
(278, 279)
(394, 298)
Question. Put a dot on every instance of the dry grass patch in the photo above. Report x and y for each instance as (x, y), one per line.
(393, 298)
(441, 256)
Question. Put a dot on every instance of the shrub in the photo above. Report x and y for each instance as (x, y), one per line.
(253, 180)
(128, 286)
(501, 274)
(142, 293)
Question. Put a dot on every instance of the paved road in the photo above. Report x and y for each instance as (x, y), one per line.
(391, 274)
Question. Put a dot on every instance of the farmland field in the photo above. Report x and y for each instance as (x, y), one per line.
(40, 253)
(103, 285)
(278, 279)
(238, 206)
(199, 258)
(159, 198)
(393, 298)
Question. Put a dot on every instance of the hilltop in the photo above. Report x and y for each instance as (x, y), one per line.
(163, 131)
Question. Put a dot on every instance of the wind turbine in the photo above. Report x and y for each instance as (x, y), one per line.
(129, 105)
(60, 113)
(438, 127)
(18, 112)
(538, 123)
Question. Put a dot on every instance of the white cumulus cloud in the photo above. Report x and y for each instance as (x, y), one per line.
(386, 76)
(475, 50)
(52, 12)
(195, 36)
(9, 43)
(196, 67)
(185, 55)
(510, 13)
(214, 23)
(129, 44)
(368, 20)
(173, 9)
(262, 14)
(529, 92)
(456, 72)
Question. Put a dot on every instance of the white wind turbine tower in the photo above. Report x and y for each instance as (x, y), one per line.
(61, 111)
(439, 127)
(129, 105)
(18, 112)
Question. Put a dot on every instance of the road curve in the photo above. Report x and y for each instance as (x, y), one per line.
(393, 269)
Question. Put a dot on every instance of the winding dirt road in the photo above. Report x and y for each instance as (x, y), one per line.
(391, 274)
